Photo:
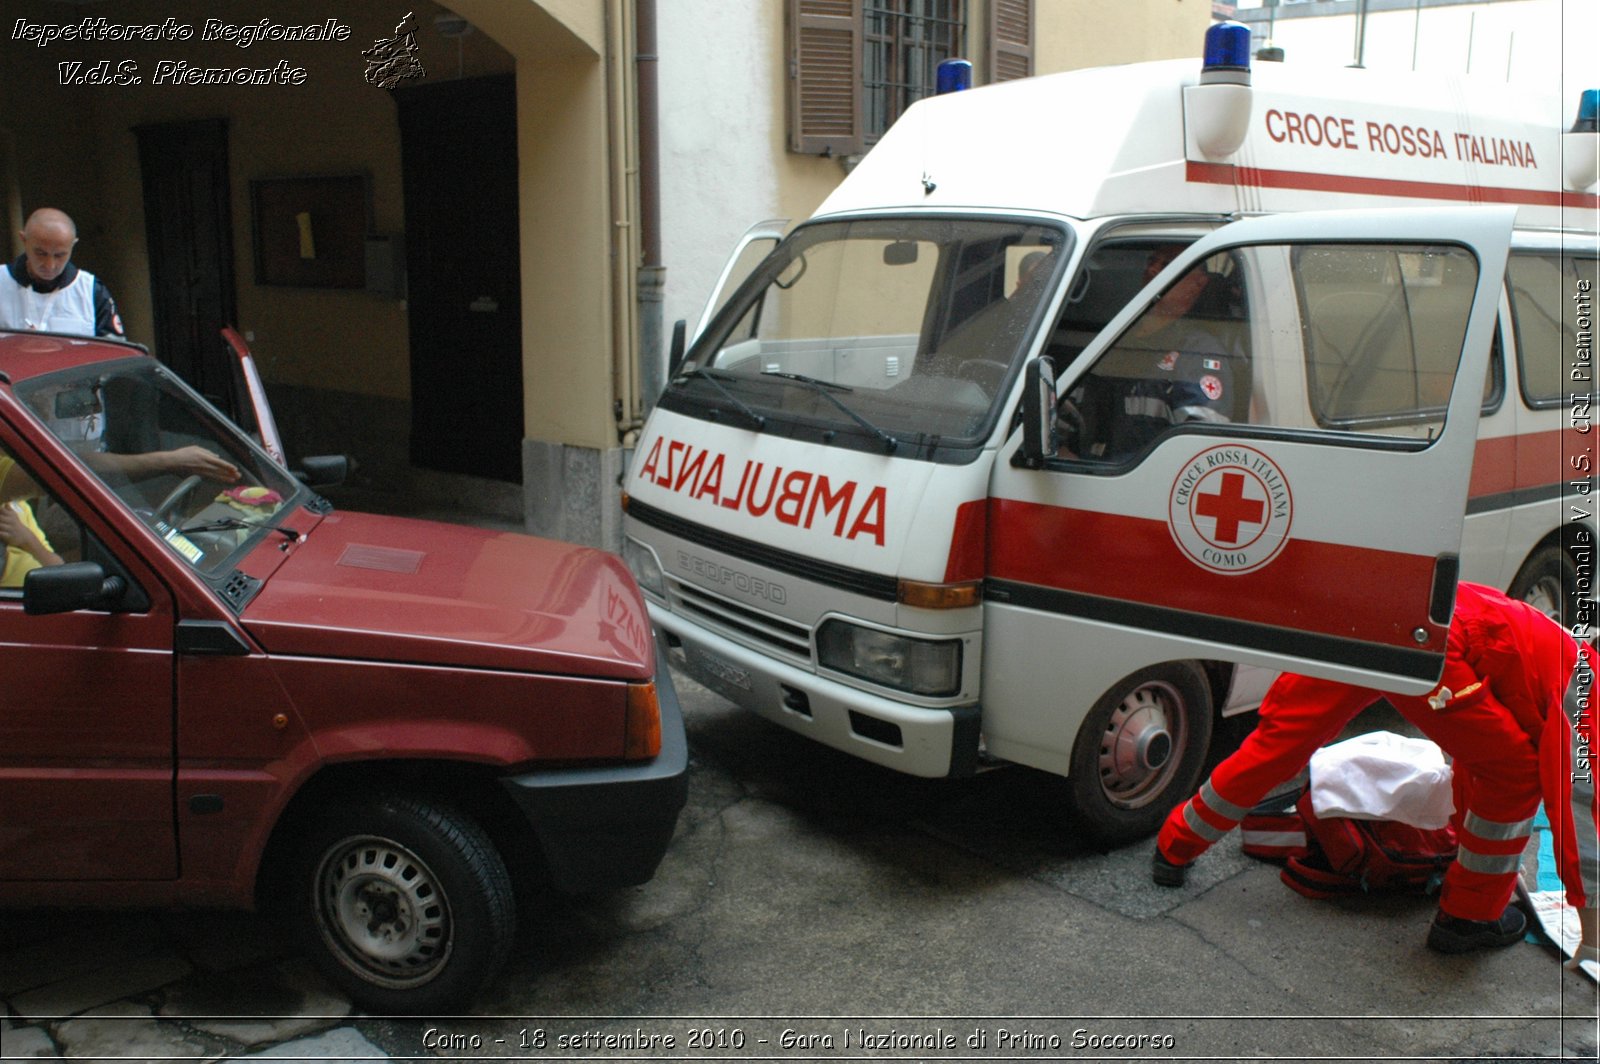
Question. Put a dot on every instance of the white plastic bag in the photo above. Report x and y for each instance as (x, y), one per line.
(1383, 776)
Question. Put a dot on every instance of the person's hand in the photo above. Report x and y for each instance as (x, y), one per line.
(12, 531)
(195, 460)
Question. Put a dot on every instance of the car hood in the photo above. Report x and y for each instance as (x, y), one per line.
(361, 586)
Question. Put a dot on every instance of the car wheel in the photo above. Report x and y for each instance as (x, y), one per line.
(1548, 582)
(1140, 752)
(405, 904)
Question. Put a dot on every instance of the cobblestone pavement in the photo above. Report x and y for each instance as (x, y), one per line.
(809, 892)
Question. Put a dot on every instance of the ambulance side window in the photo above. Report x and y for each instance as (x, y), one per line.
(1186, 360)
(1543, 286)
(1384, 328)
(1348, 338)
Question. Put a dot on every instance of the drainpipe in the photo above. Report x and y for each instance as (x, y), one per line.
(652, 274)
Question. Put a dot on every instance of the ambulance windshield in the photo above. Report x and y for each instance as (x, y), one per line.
(885, 334)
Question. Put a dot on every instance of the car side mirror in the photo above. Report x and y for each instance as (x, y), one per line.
(69, 587)
(322, 470)
(1038, 413)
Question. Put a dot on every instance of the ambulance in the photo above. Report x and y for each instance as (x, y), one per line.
(967, 473)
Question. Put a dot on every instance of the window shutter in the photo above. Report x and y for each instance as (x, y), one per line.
(825, 77)
(1010, 39)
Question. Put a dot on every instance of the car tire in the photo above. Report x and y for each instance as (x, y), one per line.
(1140, 752)
(404, 903)
(1548, 581)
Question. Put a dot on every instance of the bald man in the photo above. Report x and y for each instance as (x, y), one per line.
(43, 290)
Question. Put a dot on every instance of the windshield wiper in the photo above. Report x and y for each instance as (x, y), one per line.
(223, 524)
(826, 390)
(712, 379)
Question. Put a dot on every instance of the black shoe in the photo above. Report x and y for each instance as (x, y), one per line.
(1450, 934)
(1165, 873)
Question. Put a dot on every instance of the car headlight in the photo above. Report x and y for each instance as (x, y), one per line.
(921, 666)
(642, 562)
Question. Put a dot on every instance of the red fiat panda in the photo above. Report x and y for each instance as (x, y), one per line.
(222, 692)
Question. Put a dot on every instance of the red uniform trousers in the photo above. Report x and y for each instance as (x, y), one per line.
(1505, 758)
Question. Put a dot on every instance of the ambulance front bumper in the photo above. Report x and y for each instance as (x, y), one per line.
(916, 740)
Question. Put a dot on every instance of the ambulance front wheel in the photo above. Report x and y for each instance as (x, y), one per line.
(1140, 752)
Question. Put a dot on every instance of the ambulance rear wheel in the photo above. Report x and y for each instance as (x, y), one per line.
(1548, 582)
(1140, 752)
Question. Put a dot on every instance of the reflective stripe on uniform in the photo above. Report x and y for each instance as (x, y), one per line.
(1146, 406)
(1284, 839)
(1209, 832)
(1488, 864)
(1497, 830)
(1220, 805)
(1579, 691)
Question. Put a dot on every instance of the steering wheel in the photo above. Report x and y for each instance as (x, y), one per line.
(986, 373)
(177, 495)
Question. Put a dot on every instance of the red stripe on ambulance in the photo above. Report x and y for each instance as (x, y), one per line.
(1135, 560)
(1255, 177)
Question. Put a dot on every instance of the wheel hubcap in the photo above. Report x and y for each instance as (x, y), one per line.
(381, 912)
(1546, 597)
(1136, 752)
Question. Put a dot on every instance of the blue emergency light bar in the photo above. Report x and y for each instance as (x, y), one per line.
(1227, 48)
(954, 75)
(1588, 112)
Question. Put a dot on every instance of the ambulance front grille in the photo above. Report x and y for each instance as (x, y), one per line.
(741, 623)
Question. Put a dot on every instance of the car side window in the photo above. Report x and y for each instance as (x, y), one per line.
(1346, 338)
(1186, 359)
(36, 530)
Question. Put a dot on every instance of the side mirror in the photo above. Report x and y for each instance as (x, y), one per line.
(1038, 413)
(680, 331)
(69, 587)
(322, 470)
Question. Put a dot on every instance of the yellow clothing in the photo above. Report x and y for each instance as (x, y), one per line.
(19, 563)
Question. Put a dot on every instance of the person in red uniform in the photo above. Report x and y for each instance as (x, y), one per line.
(1512, 710)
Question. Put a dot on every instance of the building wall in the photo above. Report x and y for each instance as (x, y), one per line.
(336, 362)
(724, 70)
(1545, 45)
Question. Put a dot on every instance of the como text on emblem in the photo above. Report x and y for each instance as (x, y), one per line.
(1230, 509)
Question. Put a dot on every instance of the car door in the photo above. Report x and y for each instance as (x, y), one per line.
(86, 723)
(1308, 517)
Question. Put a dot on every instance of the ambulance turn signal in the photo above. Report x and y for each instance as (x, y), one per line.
(940, 596)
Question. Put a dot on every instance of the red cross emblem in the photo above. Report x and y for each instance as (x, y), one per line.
(1230, 508)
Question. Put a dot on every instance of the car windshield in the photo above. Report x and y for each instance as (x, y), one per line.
(899, 334)
(181, 467)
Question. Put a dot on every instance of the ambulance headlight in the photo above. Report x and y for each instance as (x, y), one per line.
(642, 563)
(920, 666)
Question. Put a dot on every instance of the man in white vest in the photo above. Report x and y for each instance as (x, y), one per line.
(43, 290)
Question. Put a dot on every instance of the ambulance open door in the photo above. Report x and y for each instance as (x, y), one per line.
(752, 247)
(1291, 491)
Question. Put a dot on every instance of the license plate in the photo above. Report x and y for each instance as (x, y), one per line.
(717, 669)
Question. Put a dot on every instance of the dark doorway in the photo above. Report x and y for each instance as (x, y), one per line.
(189, 233)
(458, 152)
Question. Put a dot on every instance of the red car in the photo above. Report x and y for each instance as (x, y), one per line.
(222, 692)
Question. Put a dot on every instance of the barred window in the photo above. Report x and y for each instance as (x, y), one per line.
(856, 65)
(904, 43)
